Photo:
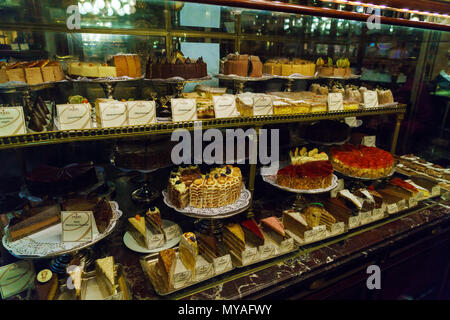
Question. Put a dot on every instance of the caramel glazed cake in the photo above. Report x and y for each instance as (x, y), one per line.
(220, 187)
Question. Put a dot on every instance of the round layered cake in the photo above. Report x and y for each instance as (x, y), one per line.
(307, 176)
(361, 161)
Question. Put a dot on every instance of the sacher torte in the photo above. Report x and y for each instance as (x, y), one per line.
(46, 285)
(209, 247)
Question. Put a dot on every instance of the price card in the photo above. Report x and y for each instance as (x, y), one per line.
(369, 141)
(203, 269)
(335, 101)
(172, 231)
(222, 264)
(141, 112)
(370, 99)
(74, 116)
(366, 217)
(401, 205)
(412, 202)
(184, 109)
(392, 208)
(354, 221)
(249, 255)
(154, 240)
(309, 235)
(262, 105)
(16, 277)
(225, 106)
(287, 245)
(337, 228)
(12, 121)
(321, 232)
(435, 191)
(266, 251)
(76, 226)
(181, 278)
(112, 114)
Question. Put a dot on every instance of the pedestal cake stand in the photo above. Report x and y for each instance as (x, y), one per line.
(239, 81)
(108, 84)
(300, 201)
(209, 219)
(179, 83)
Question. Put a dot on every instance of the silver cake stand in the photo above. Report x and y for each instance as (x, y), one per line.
(239, 81)
(108, 84)
(300, 201)
(179, 82)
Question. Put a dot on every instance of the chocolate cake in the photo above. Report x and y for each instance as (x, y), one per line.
(55, 181)
(46, 284)
(242, 65)
(177, 66)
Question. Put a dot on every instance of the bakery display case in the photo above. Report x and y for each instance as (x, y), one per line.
(95, 95)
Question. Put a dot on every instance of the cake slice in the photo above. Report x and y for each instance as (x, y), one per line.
(274, 228)
(295, 222)
(167, 261)
(46, 284)
(209, 247)
(234, 237)
(188, 251)
(350, 200)
(105, 270)
(139, 231)
(313, 214)
(252, 233)
(33, 220)
(153, 217)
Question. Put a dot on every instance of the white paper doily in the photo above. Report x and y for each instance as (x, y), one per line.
(222, 212)
(47, 243)
(272, 179)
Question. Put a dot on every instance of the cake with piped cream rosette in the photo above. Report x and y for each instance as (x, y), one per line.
(361, 161)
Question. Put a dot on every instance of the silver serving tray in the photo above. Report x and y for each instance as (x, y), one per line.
(148, 264)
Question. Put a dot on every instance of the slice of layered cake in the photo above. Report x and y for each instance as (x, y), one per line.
(352, 201)
(274, 228)
(209, 247)
(138, 230)
(165, 267)
(188, 251)
(234, 238)
(295, 222)
(105, 270)
(153, 217)
(252, 233)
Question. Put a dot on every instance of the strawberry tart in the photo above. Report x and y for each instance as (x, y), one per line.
(361, 161)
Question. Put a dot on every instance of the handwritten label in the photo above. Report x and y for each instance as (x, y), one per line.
(225, 106)
(76, 226)
(172, 232)
(12, 121)
(335, 101)
(184, 109)
(222, 264)
(74, 116)
(370, 99)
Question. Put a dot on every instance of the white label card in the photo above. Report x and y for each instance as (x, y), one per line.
(74, 116)
(184, 109)
(309, 235)
(141, 113)
(392, 208)
(337, 228)
(113, 114)
(172, 232)
(76, 226)
(266, 251)
(353, 221)
(222, 264)
(435, 191)
(320, 232)
(412, 202)
(287, 245)
(12, 121)
(249, 255)
(369, 141)
(16, 277)
(335, 101)
(370, 99)
(262, 105)
(366, 217)
(225, 106)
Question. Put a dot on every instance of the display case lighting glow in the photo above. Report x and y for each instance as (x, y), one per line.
(370, 5)
(107, 7)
